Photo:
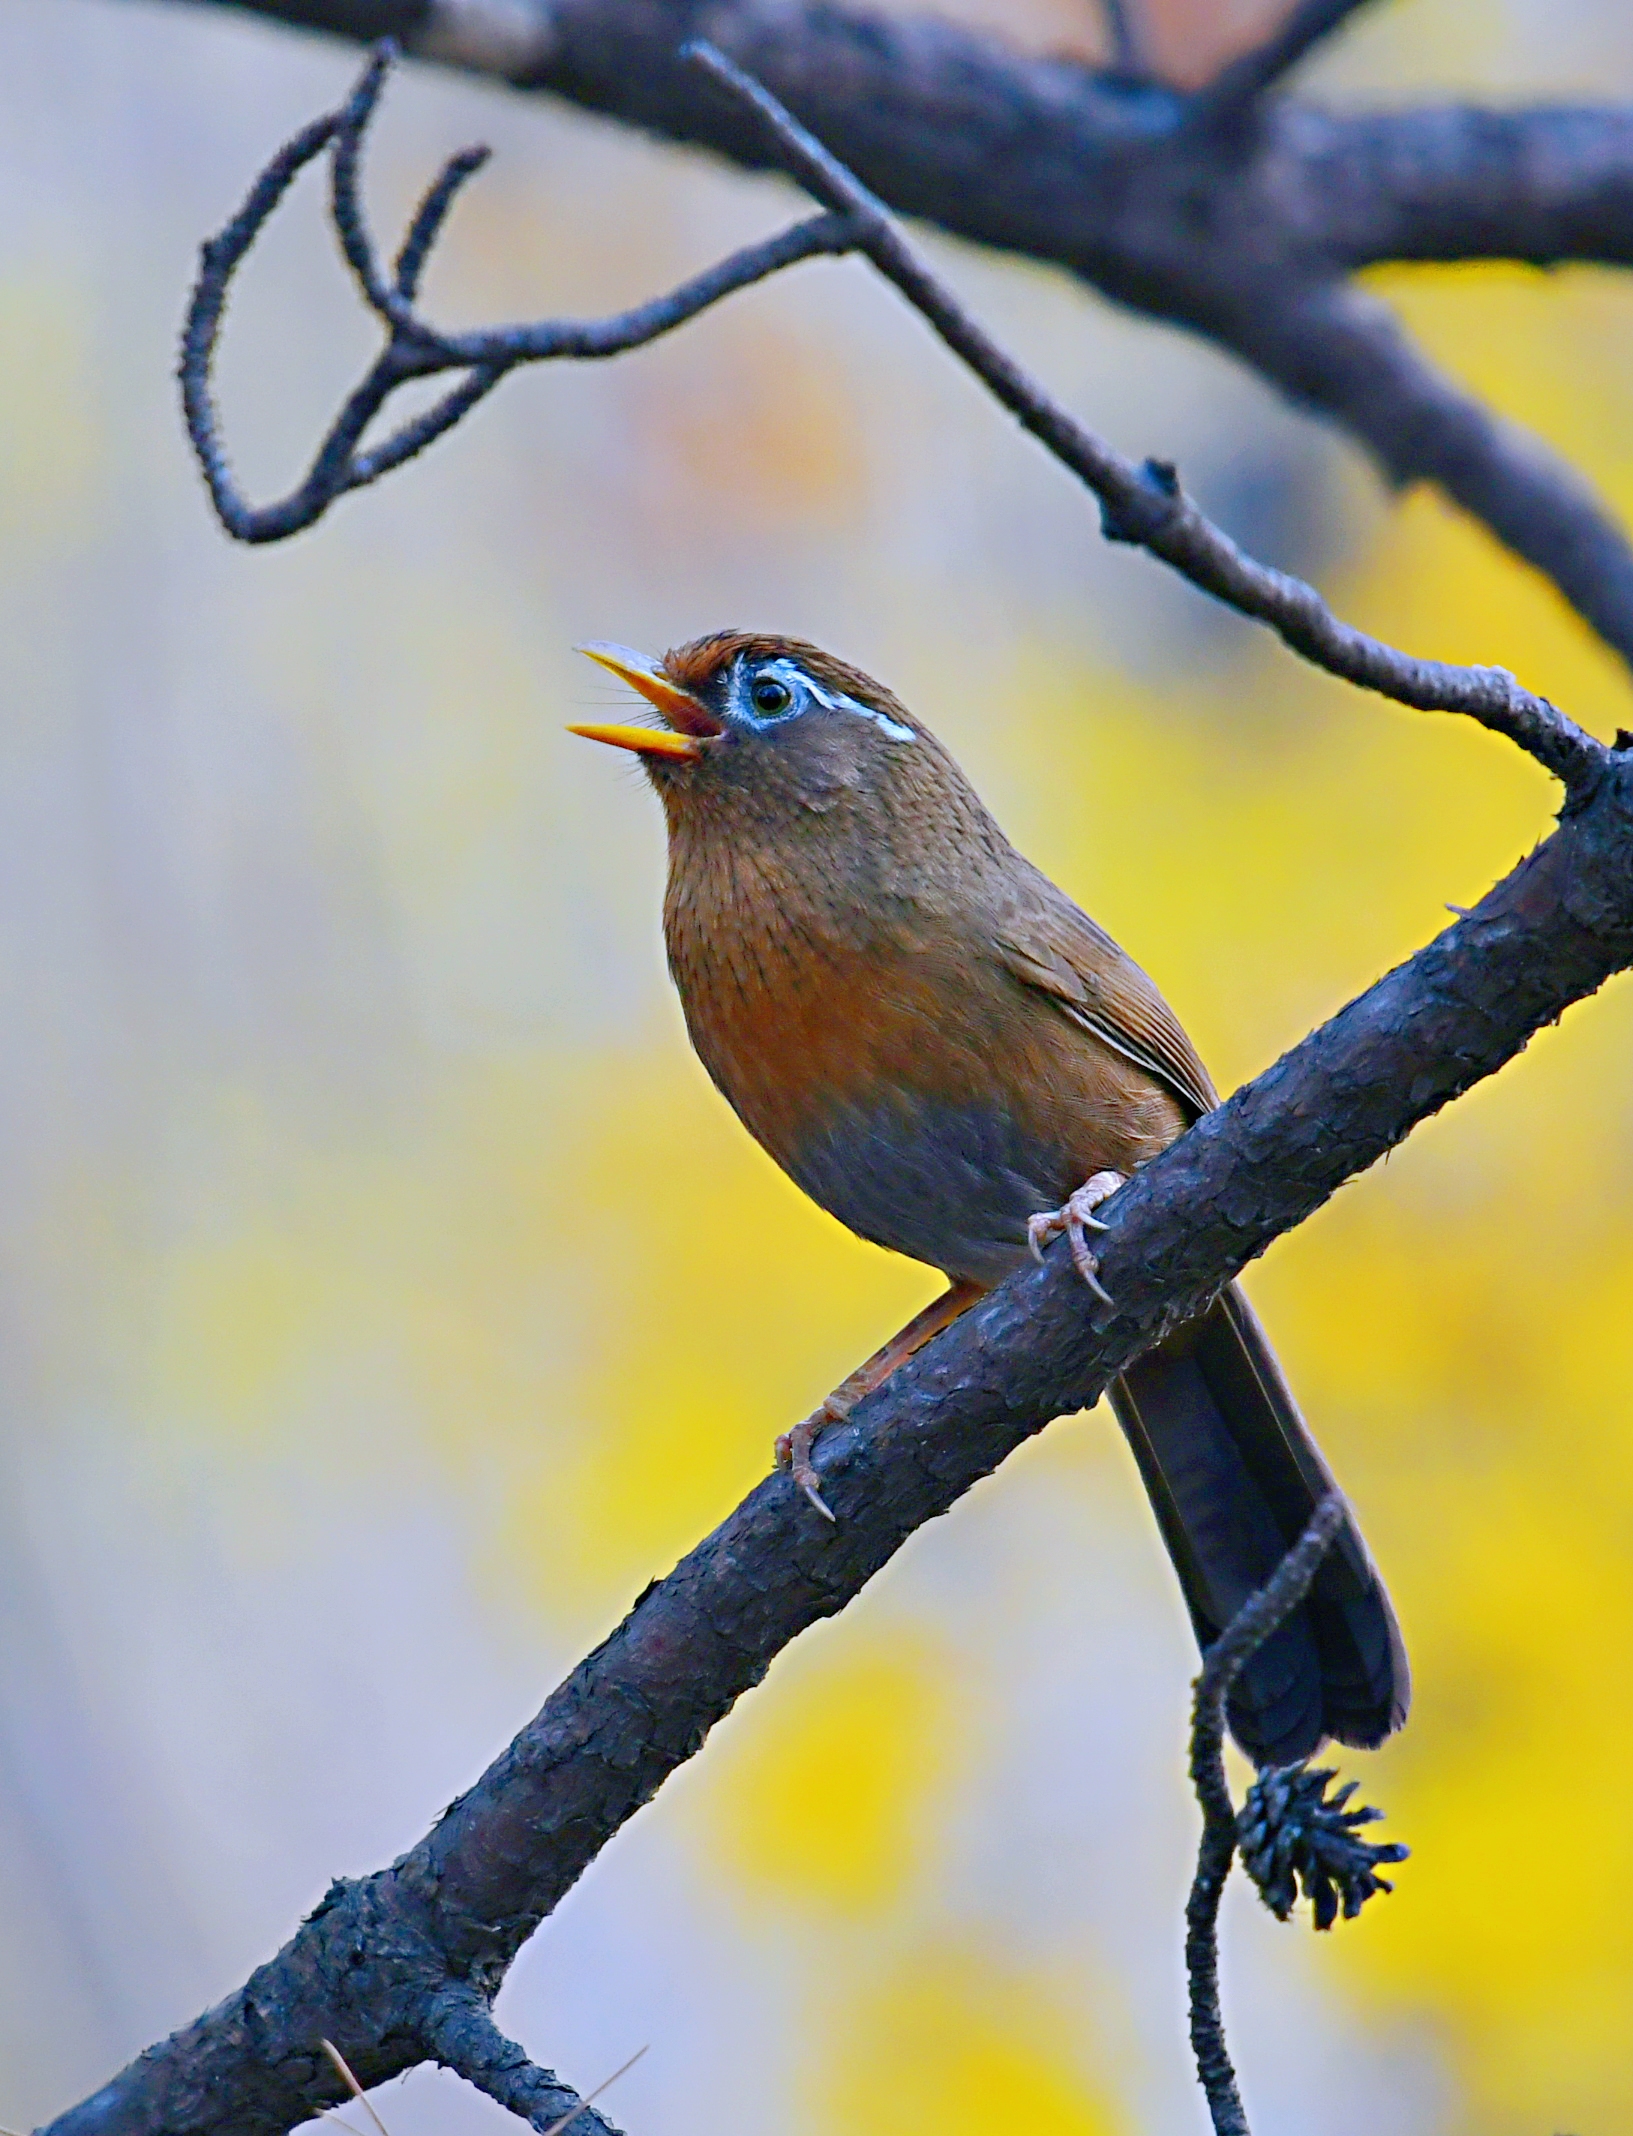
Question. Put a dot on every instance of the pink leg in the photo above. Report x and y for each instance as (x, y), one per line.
(794, 1447)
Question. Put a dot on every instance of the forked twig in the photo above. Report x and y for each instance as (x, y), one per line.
(413, 348)
(1143, 504)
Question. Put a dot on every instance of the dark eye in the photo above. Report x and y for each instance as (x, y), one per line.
(770, 696)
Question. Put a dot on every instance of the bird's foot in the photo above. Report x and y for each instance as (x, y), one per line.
(793, 1449)
(1077, 1219)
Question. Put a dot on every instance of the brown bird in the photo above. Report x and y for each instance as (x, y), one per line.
(939, 1047)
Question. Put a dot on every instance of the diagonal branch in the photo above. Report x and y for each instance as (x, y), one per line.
(1448, 182)
(1215, 229)
(1337, 349)
(369, 1967)
(461, 2035)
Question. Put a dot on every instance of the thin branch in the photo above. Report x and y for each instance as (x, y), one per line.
(1292, 1835)
(413, 348)
(1145, 504)
(460, 2033)
(1128, 54)
(1243, 1636)
(1240, 84)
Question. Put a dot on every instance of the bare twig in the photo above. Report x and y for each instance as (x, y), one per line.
(1240, 84)
(1243, 1636)
(478, 2051)
(1145, 504)
(1292, 1834)
(1128, 54)
(413, 348)
(459, 2032)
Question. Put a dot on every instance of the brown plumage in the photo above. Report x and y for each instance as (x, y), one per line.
(934, 1042)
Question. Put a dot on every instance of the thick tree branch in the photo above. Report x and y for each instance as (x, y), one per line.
(374, 1966)
(1334, 347)
(1243, 232)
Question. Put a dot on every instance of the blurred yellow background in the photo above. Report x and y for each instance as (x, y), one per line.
(386, 1297)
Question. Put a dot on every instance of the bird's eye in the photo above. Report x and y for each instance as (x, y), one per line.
(770, 696)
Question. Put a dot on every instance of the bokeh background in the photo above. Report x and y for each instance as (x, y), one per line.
(385, 1297)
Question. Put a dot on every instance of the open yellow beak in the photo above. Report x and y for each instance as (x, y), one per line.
(691, 723)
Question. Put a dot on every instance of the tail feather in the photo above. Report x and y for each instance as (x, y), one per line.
(1233, 1476)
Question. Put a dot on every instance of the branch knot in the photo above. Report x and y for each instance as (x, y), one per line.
(1153, 503)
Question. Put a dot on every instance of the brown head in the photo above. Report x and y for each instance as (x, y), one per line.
(770, 744)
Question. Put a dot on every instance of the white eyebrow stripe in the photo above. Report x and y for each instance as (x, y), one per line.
(836, 701)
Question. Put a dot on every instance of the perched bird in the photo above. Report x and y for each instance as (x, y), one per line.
(940, 1048)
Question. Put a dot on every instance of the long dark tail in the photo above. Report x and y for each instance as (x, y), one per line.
(1234, 1475)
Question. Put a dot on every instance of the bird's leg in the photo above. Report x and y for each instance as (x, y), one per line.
(794, 1447)
(1077, 1219)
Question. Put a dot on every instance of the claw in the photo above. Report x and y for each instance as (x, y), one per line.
(793, 1452)
(808, 1485)
(1088, 1267)
(1077, 1219)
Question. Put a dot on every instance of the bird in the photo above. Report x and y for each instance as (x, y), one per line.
(946, 1053)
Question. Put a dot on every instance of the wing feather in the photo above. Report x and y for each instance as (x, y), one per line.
(1053, 947)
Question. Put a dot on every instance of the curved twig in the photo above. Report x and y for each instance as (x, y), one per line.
(414, 349)
(1242, 1637)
